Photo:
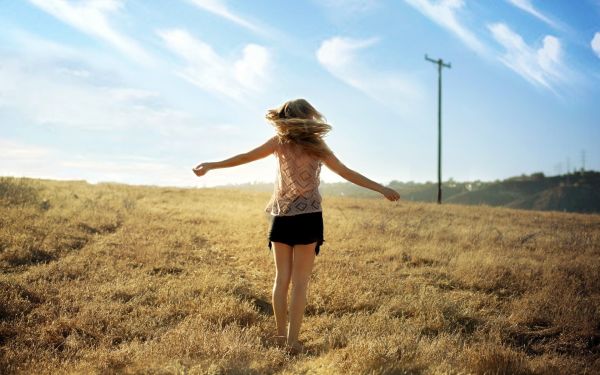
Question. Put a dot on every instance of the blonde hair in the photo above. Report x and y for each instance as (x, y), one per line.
(297, 121)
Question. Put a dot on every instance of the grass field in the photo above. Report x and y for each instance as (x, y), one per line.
(113, 278)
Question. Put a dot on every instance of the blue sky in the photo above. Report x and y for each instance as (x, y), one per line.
(141, 91)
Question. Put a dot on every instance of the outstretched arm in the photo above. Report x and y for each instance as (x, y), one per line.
(333, 163)
(260, 152)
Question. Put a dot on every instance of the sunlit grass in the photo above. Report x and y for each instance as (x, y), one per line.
(115, 278)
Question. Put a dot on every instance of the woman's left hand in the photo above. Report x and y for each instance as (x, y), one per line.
(201, 169)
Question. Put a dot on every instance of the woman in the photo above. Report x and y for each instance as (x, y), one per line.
(296, 232)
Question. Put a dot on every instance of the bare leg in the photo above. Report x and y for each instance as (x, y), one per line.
(283, 271)
(304, 256)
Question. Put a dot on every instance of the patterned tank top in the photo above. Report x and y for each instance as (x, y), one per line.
(297, 184)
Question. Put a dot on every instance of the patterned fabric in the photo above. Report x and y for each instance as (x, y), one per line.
(297, 184)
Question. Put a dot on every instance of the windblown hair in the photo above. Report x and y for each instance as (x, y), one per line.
(297, 121)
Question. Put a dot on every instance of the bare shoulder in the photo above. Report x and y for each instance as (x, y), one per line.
(264, 150)
(332, 162)
(328, 155)
(274, 139)
(273, 143)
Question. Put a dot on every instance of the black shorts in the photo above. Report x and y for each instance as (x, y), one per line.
(299, 229)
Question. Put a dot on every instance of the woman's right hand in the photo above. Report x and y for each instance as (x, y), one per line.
(201, 169)
(390, 194)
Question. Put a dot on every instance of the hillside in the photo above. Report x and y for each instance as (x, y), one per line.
(113, 278)
(579, 192)
(576, 192)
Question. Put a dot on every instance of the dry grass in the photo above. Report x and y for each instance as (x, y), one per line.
(110, 278)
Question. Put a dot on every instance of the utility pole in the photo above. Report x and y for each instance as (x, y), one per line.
(440, 63)
(568, 169)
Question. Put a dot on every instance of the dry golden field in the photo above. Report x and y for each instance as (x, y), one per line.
(113, 278)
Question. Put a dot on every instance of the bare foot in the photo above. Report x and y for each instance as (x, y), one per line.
(294, 348)
(279, 341)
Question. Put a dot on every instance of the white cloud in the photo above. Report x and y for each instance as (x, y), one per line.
(42, 95)
(52, 95)
(339, 56)
(542, 66)
(595, 43)
(12, 149)
(251, 68)
(444, 13)
(528, 7)
(49, 83)
(219, 8)
(77, 92)
(205, 68)
(72, 62)
(91, 17)
(339, 53)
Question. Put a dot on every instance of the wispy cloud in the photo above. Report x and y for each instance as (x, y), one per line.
(76, 91)
(12, 149)
(595, 44)
(527, 6)
(444, 13)
(340, 56)
(92, 18)
(62, 96)
(205, 68)
(57, 85)
(220, 8)
(541, 66)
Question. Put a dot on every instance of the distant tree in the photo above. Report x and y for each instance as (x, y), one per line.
(537, 176)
